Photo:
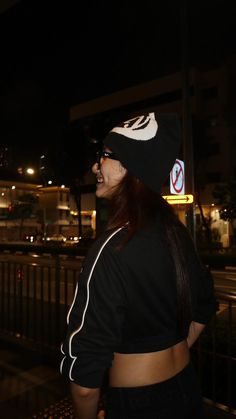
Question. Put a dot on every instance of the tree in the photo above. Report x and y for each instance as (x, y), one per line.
(69, 166)
(22, 209)
(202, 150)
(225, 195)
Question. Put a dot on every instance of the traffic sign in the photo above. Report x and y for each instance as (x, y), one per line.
(178, 199)
(177, 183)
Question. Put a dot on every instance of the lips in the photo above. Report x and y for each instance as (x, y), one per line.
(99, 178)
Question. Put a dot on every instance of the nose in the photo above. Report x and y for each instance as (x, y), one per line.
(95, 168)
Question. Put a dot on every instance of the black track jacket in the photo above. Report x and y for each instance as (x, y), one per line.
(126, 301)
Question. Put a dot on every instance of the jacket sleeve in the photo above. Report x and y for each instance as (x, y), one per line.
(95, 320)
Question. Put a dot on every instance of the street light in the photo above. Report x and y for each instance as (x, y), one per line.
(30, 171)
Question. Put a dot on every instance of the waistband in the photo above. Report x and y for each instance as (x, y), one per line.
(160, 393)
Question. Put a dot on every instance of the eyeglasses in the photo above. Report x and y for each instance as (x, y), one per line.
(105, 154)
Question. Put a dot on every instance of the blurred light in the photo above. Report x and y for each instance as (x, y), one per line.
(72, 212)
(10, 208)
(62, 186)
(30, 171)
(13, 187)
(50, 182)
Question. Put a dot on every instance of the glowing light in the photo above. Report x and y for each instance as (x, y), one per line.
(30, 171)
(179, 199)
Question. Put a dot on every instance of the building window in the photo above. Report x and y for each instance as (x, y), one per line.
(3, 213)
(63, 196)
(64, 214)
(3, 157)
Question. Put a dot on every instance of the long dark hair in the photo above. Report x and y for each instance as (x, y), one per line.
(134, 203)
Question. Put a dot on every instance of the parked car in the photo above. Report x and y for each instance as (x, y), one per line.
(30, 237)
(56, 239)
(72, 240)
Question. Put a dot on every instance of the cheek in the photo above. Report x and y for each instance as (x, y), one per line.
(117, 176)
(112, 172)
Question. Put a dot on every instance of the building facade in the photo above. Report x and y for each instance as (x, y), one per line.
(31, 209)
(212, 93)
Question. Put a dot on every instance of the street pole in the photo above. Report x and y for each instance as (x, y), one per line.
(42, 174)
(44, 224)
(79, 212)
(187, 121)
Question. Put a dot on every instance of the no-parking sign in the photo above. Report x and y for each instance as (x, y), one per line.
(177, 182)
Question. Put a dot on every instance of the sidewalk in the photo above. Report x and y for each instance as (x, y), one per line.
(28, 384)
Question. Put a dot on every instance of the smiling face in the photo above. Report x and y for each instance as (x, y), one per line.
(109, 175)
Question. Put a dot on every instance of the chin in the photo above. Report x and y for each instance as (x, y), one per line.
(103, 193)
(100, 193)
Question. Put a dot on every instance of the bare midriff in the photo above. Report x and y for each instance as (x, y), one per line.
(140, 369)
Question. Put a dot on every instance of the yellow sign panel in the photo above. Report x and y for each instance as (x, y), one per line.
(178, 199)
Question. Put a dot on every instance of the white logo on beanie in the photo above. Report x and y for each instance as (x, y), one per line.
(141, 128)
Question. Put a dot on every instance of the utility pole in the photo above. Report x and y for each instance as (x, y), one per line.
(187, 120)
(42, 175)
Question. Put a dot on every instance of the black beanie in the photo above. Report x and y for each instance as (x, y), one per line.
(147, 146)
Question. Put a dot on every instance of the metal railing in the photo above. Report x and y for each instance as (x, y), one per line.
(214, 355)
(35, 299)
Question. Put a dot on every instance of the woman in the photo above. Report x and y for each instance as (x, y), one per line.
(143, 296)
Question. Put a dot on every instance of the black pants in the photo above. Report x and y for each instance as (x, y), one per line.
(178, 397)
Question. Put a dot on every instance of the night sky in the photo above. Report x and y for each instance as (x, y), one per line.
(55, 54)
